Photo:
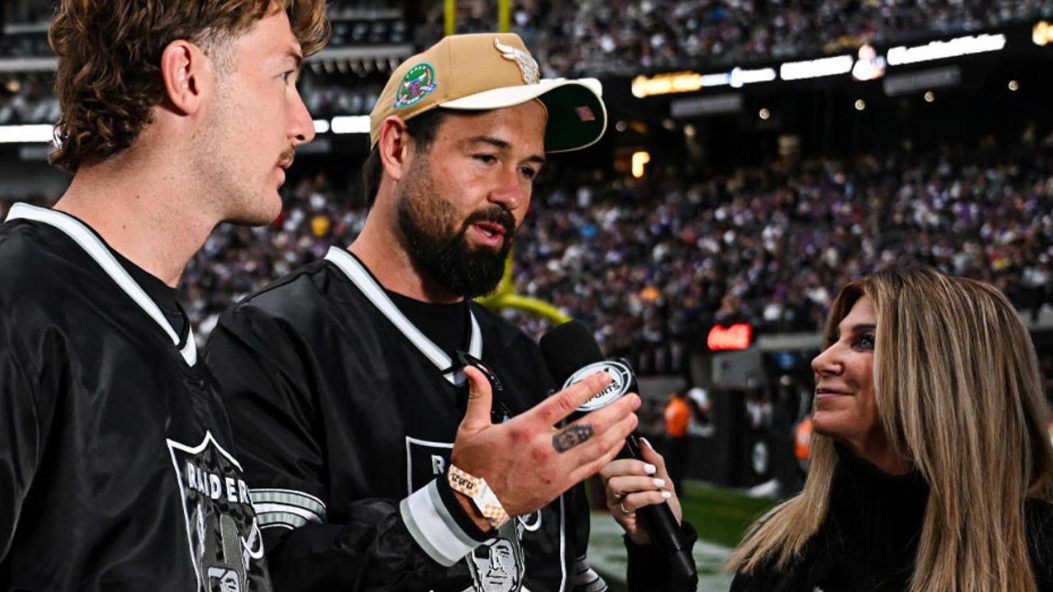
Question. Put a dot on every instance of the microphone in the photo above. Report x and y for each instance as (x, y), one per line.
(571, 354)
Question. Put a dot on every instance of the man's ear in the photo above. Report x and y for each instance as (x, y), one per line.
(395, 147)
(188, 76)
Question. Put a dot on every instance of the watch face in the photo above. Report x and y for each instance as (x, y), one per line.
(621, 381)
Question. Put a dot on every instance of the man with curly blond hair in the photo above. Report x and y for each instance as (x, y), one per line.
(117, 465)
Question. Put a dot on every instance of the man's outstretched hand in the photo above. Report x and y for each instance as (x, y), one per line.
(527, 461)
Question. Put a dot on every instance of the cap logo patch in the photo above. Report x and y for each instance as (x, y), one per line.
(527, 65)
(584, 113)
(418, 83)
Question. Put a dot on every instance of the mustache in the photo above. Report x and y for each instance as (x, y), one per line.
(287, 156)
(494, 216)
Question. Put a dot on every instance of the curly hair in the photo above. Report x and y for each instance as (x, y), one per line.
(109, 61)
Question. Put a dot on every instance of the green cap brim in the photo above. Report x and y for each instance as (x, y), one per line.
(577, 118)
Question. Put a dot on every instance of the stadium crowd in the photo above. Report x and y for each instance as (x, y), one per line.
(586, 38)
(648, 262)
(651, 263)
(589, 37)
(593, 37)
(771, 246)
(34, 44)
(325, 97)
(28, 99)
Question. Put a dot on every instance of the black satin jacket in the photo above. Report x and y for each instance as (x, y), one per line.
(346, 418)
(117, 466)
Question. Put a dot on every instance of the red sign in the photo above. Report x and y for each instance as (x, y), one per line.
(736, 336)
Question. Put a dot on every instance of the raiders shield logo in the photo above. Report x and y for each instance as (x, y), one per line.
(425, 460)
(222, 532)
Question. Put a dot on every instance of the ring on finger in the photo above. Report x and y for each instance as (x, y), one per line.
(618, 497)
(624, 510)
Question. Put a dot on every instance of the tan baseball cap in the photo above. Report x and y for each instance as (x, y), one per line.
(485, 71)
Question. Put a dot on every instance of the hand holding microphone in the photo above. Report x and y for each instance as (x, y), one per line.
(632, 484)
(572, 355)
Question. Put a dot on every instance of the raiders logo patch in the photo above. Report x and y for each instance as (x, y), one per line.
(224, 537)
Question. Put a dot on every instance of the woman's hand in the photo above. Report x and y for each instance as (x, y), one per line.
(632, 484)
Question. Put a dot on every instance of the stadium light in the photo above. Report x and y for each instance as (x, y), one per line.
(716, 79)
(938, 50)
(675, 82)
(663, 84)
(26, 134)
(804, 70)
(930, 97)
(639, 160)
(860, 104)
(350, 124)
(1042, 34)
(738, 77)
(321, 126)
(764, 114)
(1014, 85)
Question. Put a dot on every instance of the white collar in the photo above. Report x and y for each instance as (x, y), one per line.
(98, 251)
(367, 284)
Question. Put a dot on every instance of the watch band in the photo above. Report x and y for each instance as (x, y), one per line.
(479, 491)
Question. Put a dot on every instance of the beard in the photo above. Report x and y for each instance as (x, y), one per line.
(438, 243)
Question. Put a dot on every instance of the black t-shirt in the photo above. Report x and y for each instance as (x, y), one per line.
(445, 324)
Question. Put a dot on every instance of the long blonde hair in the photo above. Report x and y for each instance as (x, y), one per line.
(958, 393)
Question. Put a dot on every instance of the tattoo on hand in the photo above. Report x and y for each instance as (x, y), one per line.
(571, 437)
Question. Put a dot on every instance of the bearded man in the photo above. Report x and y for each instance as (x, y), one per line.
(398, 430)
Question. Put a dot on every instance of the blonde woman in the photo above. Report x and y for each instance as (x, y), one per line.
(932, 468)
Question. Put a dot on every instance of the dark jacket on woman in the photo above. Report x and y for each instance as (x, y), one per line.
(869, 540)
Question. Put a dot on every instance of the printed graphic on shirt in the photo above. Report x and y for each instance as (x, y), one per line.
(224, 537)
(425, 461)
(498, 564)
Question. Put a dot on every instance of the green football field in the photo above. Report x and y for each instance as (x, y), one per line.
(721, 516)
